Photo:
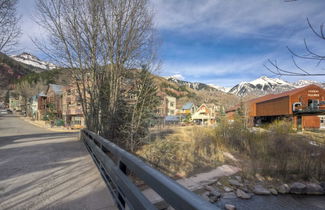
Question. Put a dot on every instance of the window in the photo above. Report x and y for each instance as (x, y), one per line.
(322, 120)
(312, 104)
(171, 104)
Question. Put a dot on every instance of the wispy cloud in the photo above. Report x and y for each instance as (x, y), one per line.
(220, 42)
(233, 17)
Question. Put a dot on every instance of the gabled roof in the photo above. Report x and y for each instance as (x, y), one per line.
(280, 95)
(187, 106)
(42, 94)
(58, 89)
(203, 105)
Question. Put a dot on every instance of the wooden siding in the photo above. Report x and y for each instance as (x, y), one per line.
(281, 104)
(310, 122)
(314, 92)
(274, 107)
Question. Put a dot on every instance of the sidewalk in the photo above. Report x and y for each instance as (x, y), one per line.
(42, 124)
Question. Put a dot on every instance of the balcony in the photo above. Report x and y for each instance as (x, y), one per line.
(309, 110)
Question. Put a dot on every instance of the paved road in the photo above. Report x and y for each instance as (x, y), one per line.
(41, 169)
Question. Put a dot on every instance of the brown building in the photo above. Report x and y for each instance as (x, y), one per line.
(54, 100)
(71, 108)
(304, 106)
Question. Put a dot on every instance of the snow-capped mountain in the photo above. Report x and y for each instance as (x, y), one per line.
(193, 85)
(265, 85)
(32, 60)
(258, 87)
(223, 89)
(301, 83)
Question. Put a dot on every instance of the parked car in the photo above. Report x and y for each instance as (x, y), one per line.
(9, 111)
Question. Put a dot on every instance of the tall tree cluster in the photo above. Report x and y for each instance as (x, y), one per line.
(104, 43)
(9, 28)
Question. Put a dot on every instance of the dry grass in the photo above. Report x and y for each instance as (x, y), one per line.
(185, 152)
(277, 153)
(317, 136)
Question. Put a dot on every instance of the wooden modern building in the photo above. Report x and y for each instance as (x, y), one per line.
(304, 106)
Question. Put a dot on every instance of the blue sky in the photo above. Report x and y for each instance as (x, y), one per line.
(222, 42)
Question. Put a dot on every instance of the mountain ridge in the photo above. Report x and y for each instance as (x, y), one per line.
(32, 60)
(258, 87)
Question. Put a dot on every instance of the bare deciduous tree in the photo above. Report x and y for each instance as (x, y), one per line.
(9, 29)
(309, 54)
(99, 41)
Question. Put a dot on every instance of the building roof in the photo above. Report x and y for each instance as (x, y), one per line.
(171, 118)
(272, 96)
(233, 108)
(280, 95)
(42, 94)
(187, 106)
(58, 89)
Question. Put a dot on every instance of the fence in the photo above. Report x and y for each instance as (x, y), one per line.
(114, 163)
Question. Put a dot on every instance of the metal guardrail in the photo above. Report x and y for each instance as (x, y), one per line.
(114, 162)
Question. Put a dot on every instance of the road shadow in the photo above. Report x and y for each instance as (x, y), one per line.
(50, 165)
(10, 139)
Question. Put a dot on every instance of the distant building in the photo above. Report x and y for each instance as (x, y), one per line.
(54, 99)
(167, 106)
(14, 102)
(71, 108)
(205, 114)
(41, 106)
(188, 108)
(32, 107)
(171, 120)
(305, 107)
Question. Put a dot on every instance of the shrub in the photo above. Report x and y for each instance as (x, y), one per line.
(281, 126)
(184, 152)
(277, 152)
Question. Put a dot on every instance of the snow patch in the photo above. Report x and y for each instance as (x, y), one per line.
(32, 60)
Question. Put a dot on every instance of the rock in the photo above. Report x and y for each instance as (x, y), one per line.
(283, 189)
(214, 196)
(230, 207)
(244, 188)
(208, 188)
(213, 199)
(260, 190)
(314, 189)
(298, 188)
(242, 194)
(230, 195)
(228, 189)
(235, 183)
(238, 178)
(322, 184)
(170, 208)
(205, 196)
(219, 183)
(215, 193)
(273, 191)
